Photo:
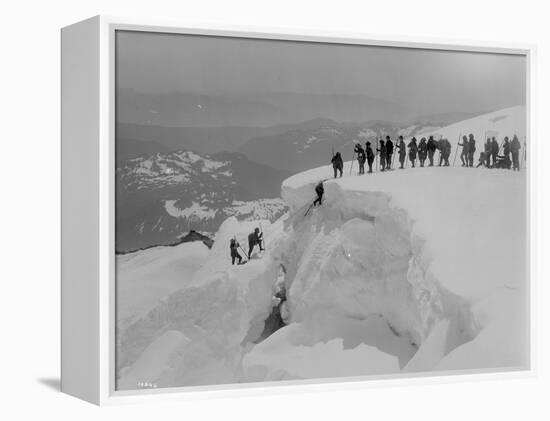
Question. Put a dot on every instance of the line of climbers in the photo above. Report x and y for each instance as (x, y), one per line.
(426, 149)
(490, 157)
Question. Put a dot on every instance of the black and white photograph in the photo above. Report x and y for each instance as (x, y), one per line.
(292, 210)
(297, 210)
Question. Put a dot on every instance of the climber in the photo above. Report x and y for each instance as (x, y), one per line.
(370, 156)
(402, 151)
(471, 150)
(465, 151)
(506, 152)
(413, 149)
(515, 146)
(389, 152)
(253, 239)
(487, 149)
(234, 247)
(320, 190)
(422, 151)
(382, 151)
(361, 157)
(337, 164)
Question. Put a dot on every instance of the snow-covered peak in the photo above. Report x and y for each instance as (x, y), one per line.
(505, 122)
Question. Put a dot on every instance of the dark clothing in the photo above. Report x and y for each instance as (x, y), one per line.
(361, 158)
(448, 150)
(488, 148)
(422, 151)
(402, 152)
(515, 161)
(506, 148)
(389, 146)
(413, 149)
(441, 147)
(465, 151)
(432, 147)
(337, 164)
(389, 153)
(254, 238)
(234, 247)
(471, 151)
(370, 156)
(320, 190)
(445, 151)
(506, 153)
(515, 146)
(382, 152)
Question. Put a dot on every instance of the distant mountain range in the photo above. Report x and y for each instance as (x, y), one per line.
(161, 197)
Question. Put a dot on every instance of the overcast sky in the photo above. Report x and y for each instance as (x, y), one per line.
(427, 81)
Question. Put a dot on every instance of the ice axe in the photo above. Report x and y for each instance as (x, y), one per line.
(308, 209)
(245, 254)
(456, 150)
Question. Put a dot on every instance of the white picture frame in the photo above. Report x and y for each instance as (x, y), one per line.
(88, 164)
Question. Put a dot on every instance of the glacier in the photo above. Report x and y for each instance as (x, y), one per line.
(411, 271)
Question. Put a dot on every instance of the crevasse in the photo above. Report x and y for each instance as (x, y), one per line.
(354, 268)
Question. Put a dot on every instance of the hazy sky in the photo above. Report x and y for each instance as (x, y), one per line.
(427, 81)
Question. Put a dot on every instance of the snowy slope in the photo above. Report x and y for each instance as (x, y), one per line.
(506, 122)
(147, 276)
(416, 270)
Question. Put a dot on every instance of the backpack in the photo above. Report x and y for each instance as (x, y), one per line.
(232, 244)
